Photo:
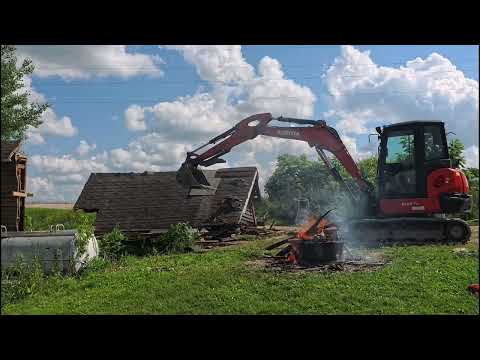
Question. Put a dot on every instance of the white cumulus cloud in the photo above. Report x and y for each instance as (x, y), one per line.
(236, 92)
(84, 147)
(61, 178)
(217, 63)
(364, 94)
(152, 152)
(51, 125)
(135, 118)
(471, 156)
(39, 185)
(85, 61)
(66, 164)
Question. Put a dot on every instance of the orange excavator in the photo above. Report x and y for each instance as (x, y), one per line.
(417, 183)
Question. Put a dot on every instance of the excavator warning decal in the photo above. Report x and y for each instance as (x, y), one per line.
(417, 208)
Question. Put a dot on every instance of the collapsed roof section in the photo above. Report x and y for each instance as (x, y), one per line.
(149, 201)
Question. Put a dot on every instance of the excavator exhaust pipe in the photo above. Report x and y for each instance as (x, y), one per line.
(190, 177)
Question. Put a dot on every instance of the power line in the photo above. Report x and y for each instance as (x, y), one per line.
(225, 83)
(265, 98)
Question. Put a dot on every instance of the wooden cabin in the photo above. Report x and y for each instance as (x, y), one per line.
(139, 202)
(13, 191)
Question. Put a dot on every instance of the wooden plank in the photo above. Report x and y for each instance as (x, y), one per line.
(19, 194)
(277, 244)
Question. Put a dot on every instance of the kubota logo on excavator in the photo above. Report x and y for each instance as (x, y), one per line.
(410, 204)
(288, 133)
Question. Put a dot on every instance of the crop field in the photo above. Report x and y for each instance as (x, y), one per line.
(41, 218)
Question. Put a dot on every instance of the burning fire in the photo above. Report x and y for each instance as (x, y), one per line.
(315, 229)
(308, 232)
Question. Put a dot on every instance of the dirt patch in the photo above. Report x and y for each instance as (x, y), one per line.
(464, 252)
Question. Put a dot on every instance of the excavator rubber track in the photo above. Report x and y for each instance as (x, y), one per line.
(407, 231)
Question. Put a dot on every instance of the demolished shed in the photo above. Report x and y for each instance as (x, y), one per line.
(152, 201)
(13, 192)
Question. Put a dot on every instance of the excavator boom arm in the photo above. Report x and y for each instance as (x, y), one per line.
(320, 136)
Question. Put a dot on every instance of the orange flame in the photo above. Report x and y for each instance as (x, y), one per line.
(304, 231)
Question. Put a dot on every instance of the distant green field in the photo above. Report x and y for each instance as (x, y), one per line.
(41, 219)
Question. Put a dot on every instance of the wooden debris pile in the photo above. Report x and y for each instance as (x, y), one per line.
(218, 234)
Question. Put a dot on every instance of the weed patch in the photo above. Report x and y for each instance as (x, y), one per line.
(112, 244)
(21, 280)
(179, 238)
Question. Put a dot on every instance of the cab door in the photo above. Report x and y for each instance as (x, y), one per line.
(402, 187)
(399, 175)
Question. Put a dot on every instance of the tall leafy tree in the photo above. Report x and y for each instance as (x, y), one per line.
(472, 176)
(455, 149)
(17, 113)
(296, 178)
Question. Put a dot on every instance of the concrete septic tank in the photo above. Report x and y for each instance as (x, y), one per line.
(54, 249)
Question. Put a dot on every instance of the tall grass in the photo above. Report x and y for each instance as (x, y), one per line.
(23, 279)
(41, 219)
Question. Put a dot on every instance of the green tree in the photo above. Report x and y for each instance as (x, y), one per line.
(295, 178)
(472, 176)
(367, 166)
(455, 149)
(17, 112)
(408, 148)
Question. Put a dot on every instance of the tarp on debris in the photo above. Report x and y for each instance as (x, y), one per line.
(154, 200)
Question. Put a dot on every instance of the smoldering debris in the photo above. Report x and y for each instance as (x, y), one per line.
(219, 235)
(279, 263)
(353, 261)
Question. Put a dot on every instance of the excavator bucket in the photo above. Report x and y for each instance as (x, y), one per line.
(190, 177)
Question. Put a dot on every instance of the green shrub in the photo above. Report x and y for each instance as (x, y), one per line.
(21, 280)
(85, 231)
(112, 244)
(97, 264)
(179, 238)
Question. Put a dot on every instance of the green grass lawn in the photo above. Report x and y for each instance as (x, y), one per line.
(418, 280)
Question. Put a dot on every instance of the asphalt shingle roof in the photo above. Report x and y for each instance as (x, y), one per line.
(146, 201)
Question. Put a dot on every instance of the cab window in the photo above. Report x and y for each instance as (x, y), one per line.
(435, 147)
(400, 169)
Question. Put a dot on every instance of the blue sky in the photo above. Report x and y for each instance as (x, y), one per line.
(140, 108)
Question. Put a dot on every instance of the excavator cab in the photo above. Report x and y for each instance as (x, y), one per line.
(413, 160)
